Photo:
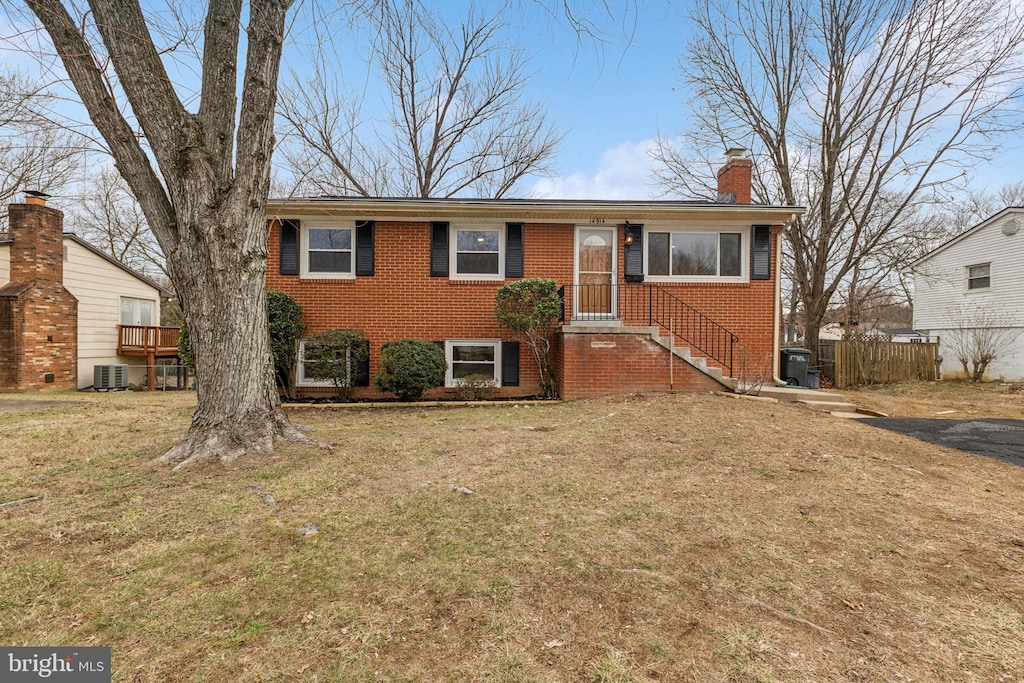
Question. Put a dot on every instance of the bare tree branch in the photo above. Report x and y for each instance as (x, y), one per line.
(458, 123)
(861, 110)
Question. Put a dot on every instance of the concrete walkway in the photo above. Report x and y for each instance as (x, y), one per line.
(828, 401)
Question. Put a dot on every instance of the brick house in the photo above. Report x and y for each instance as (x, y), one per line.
(658, 295)
(66, 307)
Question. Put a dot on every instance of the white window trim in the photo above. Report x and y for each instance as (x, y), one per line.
(449, 380)
(453, 255)
(743, 230)
(304, 252)
(967, 279)
(137, 311)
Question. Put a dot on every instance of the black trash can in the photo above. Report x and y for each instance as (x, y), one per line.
(793, 366)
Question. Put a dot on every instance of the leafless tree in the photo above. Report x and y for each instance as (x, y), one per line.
(201, 178)
(979, 335)
(860, 110)
(109, 216)
(35, 154)
(198, 163)
(457, 122)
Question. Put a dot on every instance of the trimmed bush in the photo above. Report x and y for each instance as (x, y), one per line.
(284, 317)
(335, 356)
(532, 308)
(409, 367)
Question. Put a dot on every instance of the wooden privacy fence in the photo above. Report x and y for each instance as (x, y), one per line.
(873, 360)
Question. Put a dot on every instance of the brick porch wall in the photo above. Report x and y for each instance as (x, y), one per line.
(596, 364)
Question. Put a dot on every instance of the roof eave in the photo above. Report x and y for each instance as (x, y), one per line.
(609, 211)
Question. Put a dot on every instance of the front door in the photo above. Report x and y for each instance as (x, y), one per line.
(595, 274)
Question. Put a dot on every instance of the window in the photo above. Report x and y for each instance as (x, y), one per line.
(327, 252)
(360, 375)
(472, 357)
(979, 277)
(137, 311)
(695, 254)
(477, 253)
(300, 371)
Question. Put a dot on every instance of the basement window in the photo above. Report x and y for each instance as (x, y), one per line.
(468, 357)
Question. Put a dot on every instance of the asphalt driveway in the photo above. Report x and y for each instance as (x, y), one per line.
(995, 438)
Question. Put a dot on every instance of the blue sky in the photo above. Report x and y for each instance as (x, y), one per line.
(612, 99)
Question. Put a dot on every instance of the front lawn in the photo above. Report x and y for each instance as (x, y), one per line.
(634, 538)
(946, 399)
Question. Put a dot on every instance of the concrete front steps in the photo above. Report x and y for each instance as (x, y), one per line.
(833, 403)
(683, 353)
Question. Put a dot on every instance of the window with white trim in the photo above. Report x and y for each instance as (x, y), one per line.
(300, 371)
(467, 357)
(694, 255)
(137, 311)
(477, 253)
(327, 251)
(979, 276)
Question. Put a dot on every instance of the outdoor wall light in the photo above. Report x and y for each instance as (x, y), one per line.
(629, 235)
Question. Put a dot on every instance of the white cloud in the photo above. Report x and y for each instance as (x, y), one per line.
(624, 172)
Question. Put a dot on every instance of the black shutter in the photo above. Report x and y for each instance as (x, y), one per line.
(438, 250)
(513, 250)
(634, 262)
(289, 247)
(510, 364)
(364, 247)
(761, 252)
(361, 373)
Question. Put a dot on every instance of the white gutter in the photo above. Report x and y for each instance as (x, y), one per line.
(777, 344)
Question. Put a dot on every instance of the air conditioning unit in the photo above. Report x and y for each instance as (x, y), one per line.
(107, 377)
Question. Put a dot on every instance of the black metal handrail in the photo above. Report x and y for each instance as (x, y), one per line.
(650, 304)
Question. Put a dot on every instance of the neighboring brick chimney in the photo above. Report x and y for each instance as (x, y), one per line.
(38, 316)
(734, 177)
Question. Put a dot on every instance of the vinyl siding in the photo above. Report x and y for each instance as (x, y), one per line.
(940, 286)
(99, 285)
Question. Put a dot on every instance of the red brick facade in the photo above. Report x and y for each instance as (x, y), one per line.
(38, 316)
(401, 300)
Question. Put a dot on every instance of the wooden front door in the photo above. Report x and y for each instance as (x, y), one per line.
(595, 273)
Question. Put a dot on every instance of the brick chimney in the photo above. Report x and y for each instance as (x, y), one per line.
(37, 250)
(734, 177)
(38, 316)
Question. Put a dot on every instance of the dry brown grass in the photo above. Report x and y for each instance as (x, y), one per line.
(945, 399)
(636, 538)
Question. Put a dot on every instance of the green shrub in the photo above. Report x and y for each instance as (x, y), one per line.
(532, 307)
(185, 348)
(336, 355)
(284, 318)
(409, 367)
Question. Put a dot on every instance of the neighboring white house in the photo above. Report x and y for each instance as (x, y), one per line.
(109, 294)
(972, 284)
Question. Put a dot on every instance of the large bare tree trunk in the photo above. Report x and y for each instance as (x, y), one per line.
(206, 206)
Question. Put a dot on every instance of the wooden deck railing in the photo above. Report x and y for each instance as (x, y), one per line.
(146, 340)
